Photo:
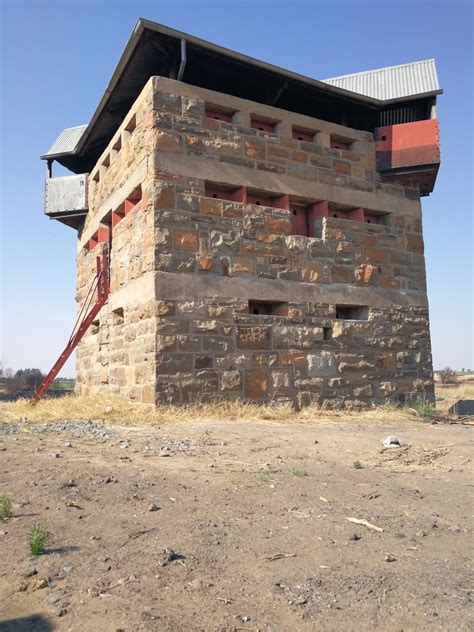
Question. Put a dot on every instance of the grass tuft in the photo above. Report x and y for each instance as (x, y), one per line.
(424, 408)
(5, 507)
(262, 476)
(357, 465)
(39, 536)
(299, 472)
(205, 438)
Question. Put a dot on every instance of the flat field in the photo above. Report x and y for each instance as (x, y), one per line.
(229, 523)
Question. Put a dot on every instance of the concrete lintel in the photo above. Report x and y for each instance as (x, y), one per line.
(135, 292)
(175, 286)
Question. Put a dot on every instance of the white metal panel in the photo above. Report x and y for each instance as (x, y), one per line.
(67, 141)
(67, 193)
(394, 82)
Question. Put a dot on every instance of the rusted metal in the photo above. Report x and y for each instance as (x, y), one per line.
(83, 322)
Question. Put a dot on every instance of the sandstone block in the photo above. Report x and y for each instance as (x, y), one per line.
(253, 337)
(230, 381)
(257, 384)
(186, 239)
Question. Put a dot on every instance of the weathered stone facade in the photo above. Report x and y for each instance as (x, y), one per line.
(197, 213)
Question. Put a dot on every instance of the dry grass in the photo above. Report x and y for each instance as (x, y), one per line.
(114, 409)
(448, 394)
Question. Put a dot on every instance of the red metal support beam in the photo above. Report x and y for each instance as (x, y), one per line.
(83, 322)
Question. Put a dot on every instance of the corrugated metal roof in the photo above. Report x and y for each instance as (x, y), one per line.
(394, 82)
(66, 142)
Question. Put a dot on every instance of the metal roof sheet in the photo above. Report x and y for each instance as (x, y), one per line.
(66, 142)
(393, 82)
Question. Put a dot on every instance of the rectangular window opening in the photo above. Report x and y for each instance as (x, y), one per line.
(268, 308)
(352, 312)
(95, 326)
(133, 199)
(303, 134)
(219, 115)
(131, 125)
(300, 220)
(337, 142)
(265, 199)
(346, 212)
(327, 333)
(225, 193)
(263, 126)
(117, 316)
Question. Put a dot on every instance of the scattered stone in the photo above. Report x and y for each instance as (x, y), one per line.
(68, 444)
(300, 601)
(2, 448)
(153, 507)
(41, 582)
(110, 479)
(355, 537)
(70, 483)
(108, 410)
(166, 556)
(422, 533)
(21, 586)
(392, 442)
(390, 558)
(53, 598)
(150, 614)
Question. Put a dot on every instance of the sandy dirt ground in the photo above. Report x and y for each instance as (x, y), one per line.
(237, 526)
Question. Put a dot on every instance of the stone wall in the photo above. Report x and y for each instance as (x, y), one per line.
(185, 264)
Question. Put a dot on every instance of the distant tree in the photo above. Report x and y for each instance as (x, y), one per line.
(448, 376)
(29, 378)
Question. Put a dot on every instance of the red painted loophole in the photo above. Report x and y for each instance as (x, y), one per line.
(300, 134)
(218, 115)
(262, 126)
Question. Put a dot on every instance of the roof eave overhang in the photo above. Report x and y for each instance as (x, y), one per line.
(79, 154)
(412, 97)
(142, 25)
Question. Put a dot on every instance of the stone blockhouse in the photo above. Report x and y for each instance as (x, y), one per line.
(263, 230)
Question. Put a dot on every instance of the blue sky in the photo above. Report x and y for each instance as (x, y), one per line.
(57, 58)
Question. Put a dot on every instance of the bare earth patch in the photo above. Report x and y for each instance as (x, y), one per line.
(236, 525)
